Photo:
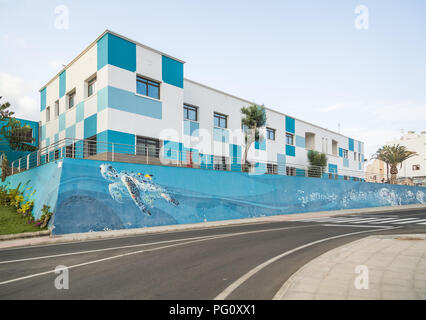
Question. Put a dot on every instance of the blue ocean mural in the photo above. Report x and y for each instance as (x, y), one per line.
(97, 196)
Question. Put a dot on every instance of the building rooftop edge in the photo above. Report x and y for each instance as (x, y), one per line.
(186, 79)
(96, 41)
(269, 109)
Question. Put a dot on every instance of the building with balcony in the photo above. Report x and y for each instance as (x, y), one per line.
(121, 100)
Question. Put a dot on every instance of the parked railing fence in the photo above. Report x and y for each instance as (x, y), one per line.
(167, 156)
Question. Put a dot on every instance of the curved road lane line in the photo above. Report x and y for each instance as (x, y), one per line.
(104, 249)
(213, 237)
(146, 244)
(231, 288)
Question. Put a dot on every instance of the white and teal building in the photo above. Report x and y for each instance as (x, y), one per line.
(123, 93)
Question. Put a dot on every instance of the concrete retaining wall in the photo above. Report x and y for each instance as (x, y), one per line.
(124, 195)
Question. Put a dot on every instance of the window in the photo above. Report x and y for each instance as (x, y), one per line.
(90, 147)
(71, 99)
(354, 156)
(416, 167)
(190, 113)
(270, 133)
(25, 133)
(220, 120)
(334, 147)
(345, 153)
(290, 171)
(47, 114)
(271, 168)
(310, 140)
(289, 139)
(147, 147)
(56, 154)
(147, 87)
(56, 109)
(91, 87)
(220, 163)
(70, 151)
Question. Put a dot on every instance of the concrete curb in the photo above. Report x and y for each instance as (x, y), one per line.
(198, 226)
(24, 235)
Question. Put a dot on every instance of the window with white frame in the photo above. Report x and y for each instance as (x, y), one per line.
(270, 134)
(190, 112)
(289, 139)
(147, 87)
(91, 86)
(220, 120)
(56, 109)
(47, 114)
(71, 99)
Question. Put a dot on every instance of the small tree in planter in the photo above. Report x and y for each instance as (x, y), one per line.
(318, 162)
(254, 118)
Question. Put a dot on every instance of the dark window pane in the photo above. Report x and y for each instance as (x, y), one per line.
(141, 88)
(153, 92)
(216, 122)
(192, 115)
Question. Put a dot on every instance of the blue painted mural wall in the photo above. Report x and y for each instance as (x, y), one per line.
(40, 184)
(96, 196)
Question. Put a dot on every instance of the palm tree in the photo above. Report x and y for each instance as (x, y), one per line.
(393, 156)
(317, 160)
(381, 156)
(254, 118)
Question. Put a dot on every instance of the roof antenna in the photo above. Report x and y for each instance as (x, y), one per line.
(338, 126)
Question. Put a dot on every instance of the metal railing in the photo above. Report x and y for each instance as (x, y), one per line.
(167, 156)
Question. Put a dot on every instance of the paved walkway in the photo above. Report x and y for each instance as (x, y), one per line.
(396, 267)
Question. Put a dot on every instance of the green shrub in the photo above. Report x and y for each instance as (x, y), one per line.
(14, 199)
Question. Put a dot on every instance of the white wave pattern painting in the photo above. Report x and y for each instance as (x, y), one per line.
(385, 196)
(421, 197)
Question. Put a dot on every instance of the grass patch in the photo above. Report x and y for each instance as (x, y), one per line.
(12, 222)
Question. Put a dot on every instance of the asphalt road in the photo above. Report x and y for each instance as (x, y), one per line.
(250, 261)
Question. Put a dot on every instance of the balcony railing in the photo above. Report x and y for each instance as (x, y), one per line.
(165, 156)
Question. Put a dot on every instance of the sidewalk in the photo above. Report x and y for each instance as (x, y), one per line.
(396, 271)
(46, 240)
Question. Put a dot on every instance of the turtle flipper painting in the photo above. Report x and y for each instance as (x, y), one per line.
(140, 187)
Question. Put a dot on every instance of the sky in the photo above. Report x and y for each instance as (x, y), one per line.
(306, 58)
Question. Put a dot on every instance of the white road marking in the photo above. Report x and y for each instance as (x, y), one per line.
(406, 222)
(100, 250)
(372, 220)
(356, 226)
(393, 221)
(213, 237)
(231, 288)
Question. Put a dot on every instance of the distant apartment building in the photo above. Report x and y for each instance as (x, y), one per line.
(13, 155)
(376, 171)
(122, 92)
(413, 168)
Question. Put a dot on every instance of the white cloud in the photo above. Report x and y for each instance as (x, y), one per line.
(22, 98)
(15, 41)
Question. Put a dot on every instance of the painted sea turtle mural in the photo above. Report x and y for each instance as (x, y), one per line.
(140, 187)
